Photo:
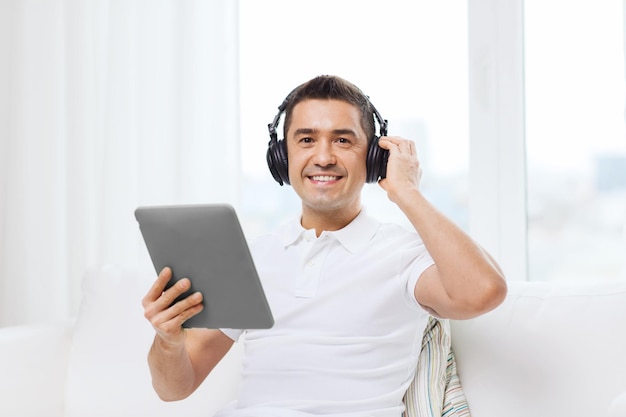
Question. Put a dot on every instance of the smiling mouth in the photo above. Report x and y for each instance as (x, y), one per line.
(324, 178)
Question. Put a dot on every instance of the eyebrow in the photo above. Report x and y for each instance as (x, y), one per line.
(308, 131)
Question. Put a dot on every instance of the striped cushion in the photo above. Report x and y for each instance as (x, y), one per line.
(436, 389)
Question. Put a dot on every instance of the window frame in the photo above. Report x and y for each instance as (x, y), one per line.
(497, 203)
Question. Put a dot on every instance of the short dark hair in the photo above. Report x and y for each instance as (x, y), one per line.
(331, 87)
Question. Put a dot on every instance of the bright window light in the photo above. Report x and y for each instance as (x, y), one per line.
(576, 142)
(409, 57)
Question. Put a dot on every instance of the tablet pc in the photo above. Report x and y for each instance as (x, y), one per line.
(206, 244)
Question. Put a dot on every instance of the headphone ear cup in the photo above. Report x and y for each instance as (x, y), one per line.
(376, 163)
(277, 162)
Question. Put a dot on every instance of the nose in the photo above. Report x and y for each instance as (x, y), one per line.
(323, 154)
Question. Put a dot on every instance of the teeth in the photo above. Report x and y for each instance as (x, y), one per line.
(324, 178)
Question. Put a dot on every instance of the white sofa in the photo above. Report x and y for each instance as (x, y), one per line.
(549, 350)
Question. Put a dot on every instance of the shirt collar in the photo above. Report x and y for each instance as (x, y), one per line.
(354, 237)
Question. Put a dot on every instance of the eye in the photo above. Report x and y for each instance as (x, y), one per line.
(343, 141)
(306, 140)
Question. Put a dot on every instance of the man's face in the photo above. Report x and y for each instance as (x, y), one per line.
(327, 150)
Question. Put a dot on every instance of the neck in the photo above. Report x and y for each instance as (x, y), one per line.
(329, 221)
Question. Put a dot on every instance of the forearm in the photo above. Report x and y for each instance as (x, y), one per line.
(467, 273)
(453, 250)
(173, 376)
(465, 280)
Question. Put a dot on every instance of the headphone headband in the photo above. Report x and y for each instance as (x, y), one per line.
(272, 126)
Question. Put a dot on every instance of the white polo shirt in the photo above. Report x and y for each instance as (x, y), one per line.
(347, 330)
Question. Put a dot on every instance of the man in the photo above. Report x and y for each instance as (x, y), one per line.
(350, 296)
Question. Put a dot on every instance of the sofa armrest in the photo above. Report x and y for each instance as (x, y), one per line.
(33, 360)
(551, 348)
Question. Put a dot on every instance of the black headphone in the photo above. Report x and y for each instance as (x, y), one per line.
(376, 162)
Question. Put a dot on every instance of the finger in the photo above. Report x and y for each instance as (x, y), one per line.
(159, 285)
(180, 312)
(411, 147)
(405, 145)
(390, 142)
(385, 143)
(170, 295)
(157, 310)
(189, 313)
(187, 303)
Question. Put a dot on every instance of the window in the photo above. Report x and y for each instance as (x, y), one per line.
(539, 86)
(575, 140)
(409, 57)
(547, 143)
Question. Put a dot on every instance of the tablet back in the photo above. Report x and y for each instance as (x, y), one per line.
(206, 244)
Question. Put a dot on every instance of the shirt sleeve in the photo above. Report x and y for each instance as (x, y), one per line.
(416, 260)
(234, 334)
